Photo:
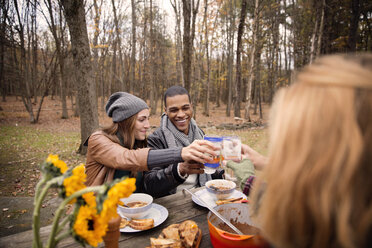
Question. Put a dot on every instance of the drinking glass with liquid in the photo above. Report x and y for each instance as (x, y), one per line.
(211, 166)
(231, 148)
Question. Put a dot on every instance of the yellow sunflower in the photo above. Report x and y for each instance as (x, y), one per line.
(90, 199)
(57, 163)
(89, 225)
(76, 181)
(120, 190)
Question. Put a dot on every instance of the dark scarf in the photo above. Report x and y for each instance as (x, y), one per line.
(176, 138)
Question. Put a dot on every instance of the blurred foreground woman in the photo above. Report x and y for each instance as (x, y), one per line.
(317, 189)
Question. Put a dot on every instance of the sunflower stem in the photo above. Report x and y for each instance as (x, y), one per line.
(62, 224)
(51, 241)
(61, 236)
(38, 200)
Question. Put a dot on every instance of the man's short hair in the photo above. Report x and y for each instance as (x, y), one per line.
(175, 91)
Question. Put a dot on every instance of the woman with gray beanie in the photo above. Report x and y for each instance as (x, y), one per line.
(121, 148)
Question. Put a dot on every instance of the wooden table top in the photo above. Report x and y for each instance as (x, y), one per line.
(180, 208)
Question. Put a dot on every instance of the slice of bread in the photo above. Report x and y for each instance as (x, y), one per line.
(141, 224)
(123, 223)
(184, 235)
(189, 233)
(231, 200)
(165, 243)
(171, 232)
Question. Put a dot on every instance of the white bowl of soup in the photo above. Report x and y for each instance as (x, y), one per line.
(136, 206)
(220, 188)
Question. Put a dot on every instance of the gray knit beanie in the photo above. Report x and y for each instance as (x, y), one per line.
(122, 105)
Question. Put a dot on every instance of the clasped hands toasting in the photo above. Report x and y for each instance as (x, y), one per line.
(203, 151)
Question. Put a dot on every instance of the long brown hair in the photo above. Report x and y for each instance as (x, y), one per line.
(125, 129)
(318, 190)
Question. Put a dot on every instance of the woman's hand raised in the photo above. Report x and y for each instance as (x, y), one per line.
(200, 151)
(259, 161)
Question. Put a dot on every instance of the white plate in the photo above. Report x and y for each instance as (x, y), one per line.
(206, 197)
(156, 212)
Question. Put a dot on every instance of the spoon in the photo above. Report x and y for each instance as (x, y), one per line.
(123, 204)
(214, 188)
(215, 212)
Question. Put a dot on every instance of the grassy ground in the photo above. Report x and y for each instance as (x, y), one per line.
(23, 149)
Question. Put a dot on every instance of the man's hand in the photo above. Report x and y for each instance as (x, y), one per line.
(190, 168)
(200, 151)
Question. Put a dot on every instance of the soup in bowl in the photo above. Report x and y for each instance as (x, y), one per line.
(220, 188)
(222, 236)
(135, 206)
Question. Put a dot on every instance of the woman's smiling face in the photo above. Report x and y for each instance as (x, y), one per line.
(142, 124)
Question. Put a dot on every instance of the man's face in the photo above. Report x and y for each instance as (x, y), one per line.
(179, 111)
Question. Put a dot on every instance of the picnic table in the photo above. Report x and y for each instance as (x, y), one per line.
(180, 207)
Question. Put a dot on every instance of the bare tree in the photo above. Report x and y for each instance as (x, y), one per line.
(238, 85)
(96, 65)
(134, 41)
(152, 63)
(321, 28)
(179, 69)
(26, 95)
(60, 54)
(230, 26)
(75, 17)
(4, 7)
(206, 48)
(253, 53)
(117, 74)
(354, 21)
(190, 9)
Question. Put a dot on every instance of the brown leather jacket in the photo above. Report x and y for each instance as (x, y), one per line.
(104, 156)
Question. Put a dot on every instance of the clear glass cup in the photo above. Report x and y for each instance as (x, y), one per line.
(231, 148)
(211, 167)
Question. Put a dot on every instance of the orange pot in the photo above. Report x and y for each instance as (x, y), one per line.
(238, 213)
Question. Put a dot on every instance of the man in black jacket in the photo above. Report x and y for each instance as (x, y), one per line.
(177, 128)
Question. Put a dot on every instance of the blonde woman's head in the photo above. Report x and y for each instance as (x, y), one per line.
(319, 187)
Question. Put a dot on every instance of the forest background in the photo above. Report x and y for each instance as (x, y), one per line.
(61, 60)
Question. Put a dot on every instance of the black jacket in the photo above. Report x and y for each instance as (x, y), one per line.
(162, 181)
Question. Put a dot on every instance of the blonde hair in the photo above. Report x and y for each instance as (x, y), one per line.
(318, 190)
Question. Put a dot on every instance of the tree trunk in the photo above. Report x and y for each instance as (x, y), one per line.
(353, 27)
(120, 85)
(179, 68)
(26, 96)
(321, 27)
(253, 53)
(229, 58)
(34, 70)
(312, 48)
(96, 65)
(3, 17)
(238, 85)
(133, 55)
(207, 83)
(75, 17)
(187, 47)
(60, 56)
(152, 66)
